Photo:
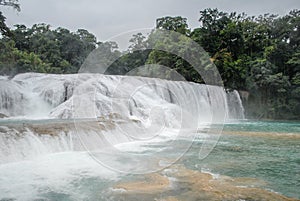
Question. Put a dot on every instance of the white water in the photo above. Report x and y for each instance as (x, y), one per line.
(55, 123)
(51, 96)
(61, 176)
(129, 109)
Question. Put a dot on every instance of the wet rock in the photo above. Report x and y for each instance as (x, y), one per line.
(3, 116)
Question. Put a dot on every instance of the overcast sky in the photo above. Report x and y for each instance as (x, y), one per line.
(108, 18)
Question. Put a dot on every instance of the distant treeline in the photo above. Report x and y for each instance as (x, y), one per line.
(257, 55)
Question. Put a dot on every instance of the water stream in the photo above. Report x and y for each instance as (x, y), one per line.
(81, 137)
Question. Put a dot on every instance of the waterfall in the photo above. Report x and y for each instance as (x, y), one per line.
(11, 98)
(235, 106)
(21, 144)
(52, 95)
(138, 106)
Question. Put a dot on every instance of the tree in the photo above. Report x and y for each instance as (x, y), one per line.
(135, 57)
(4, 30)
(257, 54)
(13, 61)
(63, 50)
(12, 3)
(174, 63)
(212, 22)
(138, 42)
(178, 24)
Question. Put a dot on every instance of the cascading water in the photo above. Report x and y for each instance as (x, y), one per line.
(11, 98)
(31, 92)
(114, 101)
(235, 106)
(55, 130)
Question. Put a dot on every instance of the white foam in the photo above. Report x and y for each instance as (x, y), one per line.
(29, 179)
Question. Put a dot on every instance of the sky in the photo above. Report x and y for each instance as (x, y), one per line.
(107, 19)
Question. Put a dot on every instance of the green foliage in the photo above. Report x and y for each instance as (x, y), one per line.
(4, 30)
(260, 55)
(257, 54)
(177, 24)
(135, 57)
(58, 51)
(14, 61)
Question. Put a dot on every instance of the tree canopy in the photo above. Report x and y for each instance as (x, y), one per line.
(260, 55)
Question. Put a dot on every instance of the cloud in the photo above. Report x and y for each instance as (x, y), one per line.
(108, 18)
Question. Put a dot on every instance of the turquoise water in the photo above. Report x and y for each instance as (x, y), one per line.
(270, 158)
(248, 149)
(264, 126)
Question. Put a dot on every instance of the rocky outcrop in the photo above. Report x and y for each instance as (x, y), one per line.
(3, 116)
